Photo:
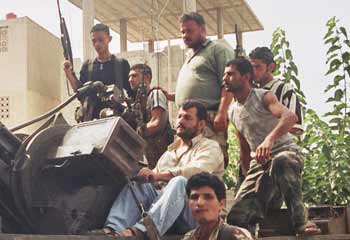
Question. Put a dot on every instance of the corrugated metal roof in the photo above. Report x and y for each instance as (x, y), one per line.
(158, 19)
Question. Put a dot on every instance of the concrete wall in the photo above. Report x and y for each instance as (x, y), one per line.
(30, 71)
(66, 91)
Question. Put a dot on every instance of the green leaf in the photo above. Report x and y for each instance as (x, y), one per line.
(347, 42)
(338, 95)
(329, 87)
(331, 57)
(343, 30)
(337, 79)
(346, 57)
(328, 34)
(333, 66)
(332, 40)
(333, 48)
(331, 23)
(289, 55)
(335, 120)
(330, 99)
(294, 68)
(326, 150)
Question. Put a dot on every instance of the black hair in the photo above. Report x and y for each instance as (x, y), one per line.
(242, 65)
(205, 179)
(194, 16)
(143, 68)
(100, 27)
(201, 111)
(262, 53)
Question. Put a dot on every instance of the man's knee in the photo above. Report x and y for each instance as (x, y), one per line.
(179, 181)
(286, 160)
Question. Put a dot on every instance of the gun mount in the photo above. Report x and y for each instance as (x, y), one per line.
(62, 179)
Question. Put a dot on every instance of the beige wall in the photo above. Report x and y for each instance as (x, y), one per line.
(30, 71)
(69, 110)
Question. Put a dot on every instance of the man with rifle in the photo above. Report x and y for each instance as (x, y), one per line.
(154, 127)
(106, 68)
(162, 190)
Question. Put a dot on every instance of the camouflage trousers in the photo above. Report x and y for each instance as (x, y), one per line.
(266, 186)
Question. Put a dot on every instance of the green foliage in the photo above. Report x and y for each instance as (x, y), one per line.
(327, 164)
(338, 61)
(231, 172)
(286, 69)
(326, 143)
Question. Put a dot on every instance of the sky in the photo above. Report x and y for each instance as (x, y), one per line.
(303, 21)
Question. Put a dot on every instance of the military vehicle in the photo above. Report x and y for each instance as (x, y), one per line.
(62, 179)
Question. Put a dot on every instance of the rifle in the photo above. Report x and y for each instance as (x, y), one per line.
(152, 231)
(239, 49)
(139, 105)
(65, 41)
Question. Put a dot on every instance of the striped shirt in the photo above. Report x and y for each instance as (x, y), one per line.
(286, 95)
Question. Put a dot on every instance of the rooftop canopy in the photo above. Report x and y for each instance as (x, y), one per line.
(158, 19)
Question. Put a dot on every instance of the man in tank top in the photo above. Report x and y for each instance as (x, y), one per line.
(271, 162)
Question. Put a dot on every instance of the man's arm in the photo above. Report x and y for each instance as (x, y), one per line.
(158, 112)
(67, 67)
(156, 123)
(244, 154)
(220, 121)
(149, 175)
(223, 54)
(286, 121)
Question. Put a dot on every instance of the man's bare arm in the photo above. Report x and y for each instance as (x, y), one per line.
(244, 154)
(156, 123)
(286, 121)
(67, 67)
(149, 175)
(220, 121)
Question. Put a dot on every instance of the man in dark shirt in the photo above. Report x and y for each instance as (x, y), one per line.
(106, 67)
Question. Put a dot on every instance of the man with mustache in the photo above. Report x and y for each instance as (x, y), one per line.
(271, 162)
(190, 153)
(200, 77)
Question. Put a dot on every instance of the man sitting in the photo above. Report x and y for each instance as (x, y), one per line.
(190, 153)
(207, 195)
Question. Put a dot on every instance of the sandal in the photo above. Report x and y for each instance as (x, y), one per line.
(309, 228)
(106, 231)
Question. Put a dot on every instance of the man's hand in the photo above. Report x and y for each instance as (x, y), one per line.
(220, 122)
(147, 174)
(263, 151)
(67, 66)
